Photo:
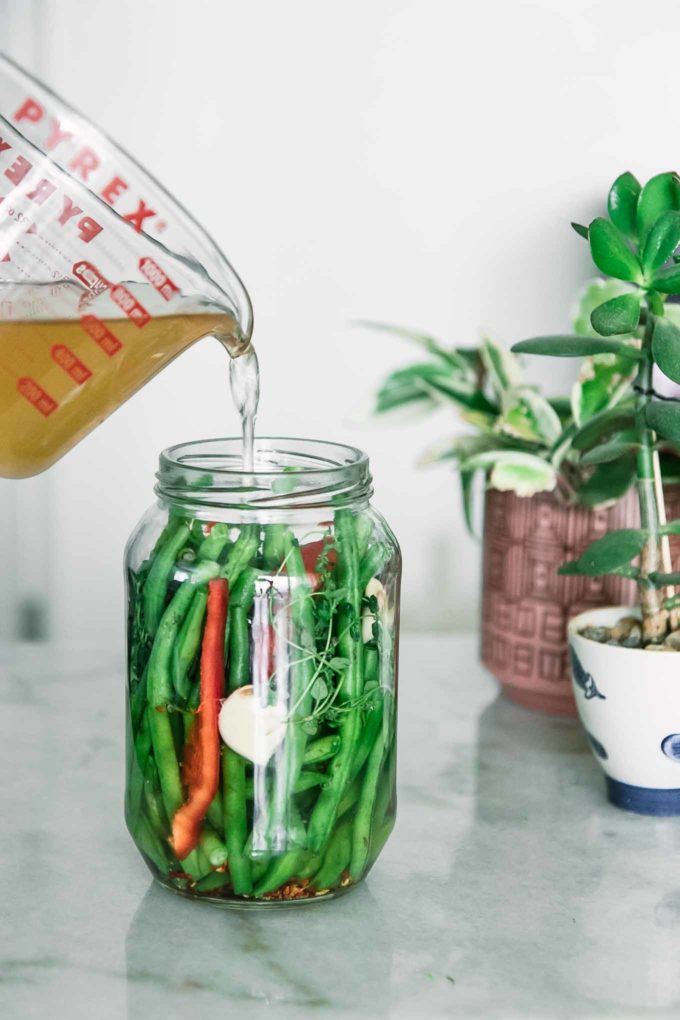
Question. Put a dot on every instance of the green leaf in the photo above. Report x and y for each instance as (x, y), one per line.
(595, 293)
(613, 550)
(608, 483)
(664, 417)
(602, 382)
(319, 689)
(561, 406)
(451, 357)
(668, 280)
(424, 386)
(522, 473)
(607, 452)
(666, 348)
(619, 315)
(610, 252)
(574, 347)
(458, 448)
(465, 396)
(467, 493)
(662, 240)
(622, 203)
(482, 420)
(580, 230)
(670, 528)
(503, 369)
(670, 464)
(659, 195)
(528, 416)
(601, 425)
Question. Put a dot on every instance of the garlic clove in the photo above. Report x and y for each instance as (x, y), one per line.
(377, 589)
(249, 728)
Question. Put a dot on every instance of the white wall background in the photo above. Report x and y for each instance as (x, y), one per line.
(416, 161)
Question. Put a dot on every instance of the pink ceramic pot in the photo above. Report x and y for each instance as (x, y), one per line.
(526, 604)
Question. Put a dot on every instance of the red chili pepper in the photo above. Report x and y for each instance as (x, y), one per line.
(201, 765)
(310, 554)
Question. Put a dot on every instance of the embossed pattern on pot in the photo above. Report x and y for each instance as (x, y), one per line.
(526, 605)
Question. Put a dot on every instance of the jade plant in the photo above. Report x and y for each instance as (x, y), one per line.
(520, 439)
(636, 245)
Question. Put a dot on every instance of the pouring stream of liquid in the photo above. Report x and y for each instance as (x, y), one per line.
(244, 377)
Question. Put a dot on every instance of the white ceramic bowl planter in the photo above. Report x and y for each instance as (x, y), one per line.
(629, 703)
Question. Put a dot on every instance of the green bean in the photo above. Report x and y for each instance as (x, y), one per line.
(141, 749)
(378, 841)
(160, 688)
(273, 549)
(214, 880)
(305, 781)
(259, 862)
(336, 858)
(203, 866)
(259, 866)
(361, 832)
(240, 555)
(321, 749)
(363, 528)
(155, 588)
(216, 813)
(372, 563)
(350, 797)
(242, 552)
(138, 699)
(154, 812)
(214, 544)
(311, 866)
(289, 761)
(349, 642)
(383, 813)
(233, 765)
(370, 663)
(213, 847)
(366, 739)
(235, 820)
(283, 868)
(150, 844)
(185, 648)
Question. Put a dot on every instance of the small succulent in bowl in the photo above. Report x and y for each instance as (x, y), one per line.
(637, 245)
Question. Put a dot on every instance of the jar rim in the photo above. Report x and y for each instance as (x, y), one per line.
(288, 473)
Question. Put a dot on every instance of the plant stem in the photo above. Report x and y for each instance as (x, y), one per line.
(654, 616)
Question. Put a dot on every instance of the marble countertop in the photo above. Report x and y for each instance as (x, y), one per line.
(508, 889)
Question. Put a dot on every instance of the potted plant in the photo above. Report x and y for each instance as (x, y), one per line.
(543, 504)
(628, 698)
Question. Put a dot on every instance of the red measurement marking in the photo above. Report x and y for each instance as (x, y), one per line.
(101, 334)
(90, 276)
(71, 364)
(36, 395)
(158, 278)
(130, 305)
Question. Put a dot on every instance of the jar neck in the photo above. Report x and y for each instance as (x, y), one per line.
(289, 476)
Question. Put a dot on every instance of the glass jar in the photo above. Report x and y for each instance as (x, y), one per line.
(263, 617)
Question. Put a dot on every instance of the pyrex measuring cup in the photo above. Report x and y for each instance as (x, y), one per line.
(104, 278)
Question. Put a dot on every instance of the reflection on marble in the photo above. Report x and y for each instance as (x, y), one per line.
(510, 888)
